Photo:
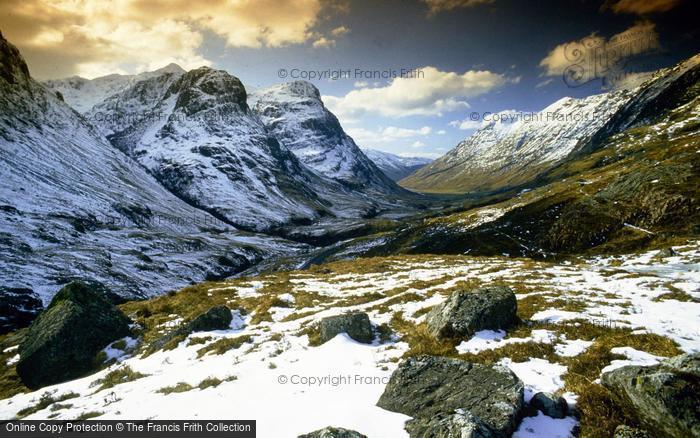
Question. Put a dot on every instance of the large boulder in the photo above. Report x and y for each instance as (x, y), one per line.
(356, 325)
(428, 386)
(63, 341)
(466, 312)
(333, 432)
(460, 424)
(663, 398)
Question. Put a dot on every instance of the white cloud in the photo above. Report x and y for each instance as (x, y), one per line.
(389, 134)
(596, 54)
(433, 94)
(323, 42)
(340, 30)
(360, 84)
(417, 144)
(466, 124)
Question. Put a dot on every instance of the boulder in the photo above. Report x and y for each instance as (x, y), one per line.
(63, 341)
(356, 325)
(333, 432)
(665, 252)
(466, 312)
(663, 398)
(550, 404)
(216, 318)
(623, 431)
(427, 386)
(460, 424)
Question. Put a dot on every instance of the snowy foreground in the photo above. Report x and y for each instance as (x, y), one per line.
(290, 387)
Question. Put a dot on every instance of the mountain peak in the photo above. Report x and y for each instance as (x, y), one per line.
(296, 89)
(170, 68)
(13, 68)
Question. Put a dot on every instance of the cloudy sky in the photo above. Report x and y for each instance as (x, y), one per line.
(409, 77)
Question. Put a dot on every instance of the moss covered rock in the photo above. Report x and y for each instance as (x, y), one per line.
(468, 311)
(663, 398)
(426, 387)
(62, 342)
(356, 325)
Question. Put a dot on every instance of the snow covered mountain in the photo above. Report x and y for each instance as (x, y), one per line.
(506, 154)
(295, 114)
(197, 135)
(82, 94)
(394, 166)
(74, 207)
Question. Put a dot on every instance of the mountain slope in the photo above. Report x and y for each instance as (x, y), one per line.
(500, 156)
(72, 206)
(395, 166)
(294, 113)
(196, 134)
(82, 94)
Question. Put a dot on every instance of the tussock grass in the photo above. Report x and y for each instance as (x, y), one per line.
(46, 400)
(223, 345)
(116, 377)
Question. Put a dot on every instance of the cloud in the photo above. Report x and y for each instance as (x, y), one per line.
(432, 94)
(91, 38)
(323, 42)
(642, 7)
(417, 144)
(466, 124)
(389, 134)
(435, 6)
(339, 31)
(594, 57)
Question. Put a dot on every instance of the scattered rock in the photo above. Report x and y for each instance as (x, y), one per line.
(356, 325)
(61, 344)
(623, 431)
(466, 312)
(428, 386)
(663, 398)
(460, 424)
(666, 252)
(550, 404)
(216, 318)
(18, 307)
(333, 432)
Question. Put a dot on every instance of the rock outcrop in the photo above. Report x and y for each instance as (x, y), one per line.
(62, 342)
(426, 387)
(466, 312)
(663, 398)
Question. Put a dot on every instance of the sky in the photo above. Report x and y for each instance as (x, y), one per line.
(411, 77)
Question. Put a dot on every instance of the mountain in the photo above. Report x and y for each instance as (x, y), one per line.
(82, 94)
(503, 155)
(196, 134)
(295, 114)
(395, 166)
(74, 207)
